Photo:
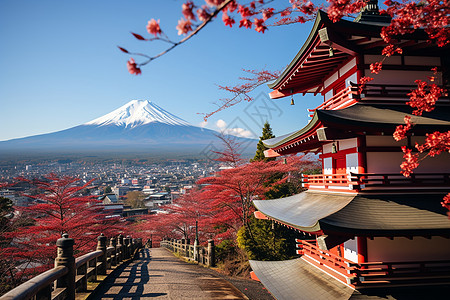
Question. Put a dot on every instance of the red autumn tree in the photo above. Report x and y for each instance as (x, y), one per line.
(231, 191)
(58, 208)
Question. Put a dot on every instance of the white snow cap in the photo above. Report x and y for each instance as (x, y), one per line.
(138, 112)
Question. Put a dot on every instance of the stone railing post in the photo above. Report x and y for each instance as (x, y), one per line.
(113, 243)
(126, 247)
(101, 245)
(211, 254)
(120, 248)
(196, 248)
(65, 258)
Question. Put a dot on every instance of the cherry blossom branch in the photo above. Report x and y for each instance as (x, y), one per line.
(241, 91)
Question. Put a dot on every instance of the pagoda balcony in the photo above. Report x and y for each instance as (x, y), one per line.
(372, 94)
(376, 182)
(375, 274)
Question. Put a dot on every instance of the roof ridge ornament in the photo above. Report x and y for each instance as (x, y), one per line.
(371, 14)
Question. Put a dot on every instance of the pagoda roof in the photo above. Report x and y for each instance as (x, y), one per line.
(409, 214)
(313, 63)
(297, 279)
(359, 119)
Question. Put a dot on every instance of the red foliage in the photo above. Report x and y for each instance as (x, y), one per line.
(401, 130)
(58, 209)
(424, 97)
(231, 191)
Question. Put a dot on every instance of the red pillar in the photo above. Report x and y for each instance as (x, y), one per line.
(362, 249)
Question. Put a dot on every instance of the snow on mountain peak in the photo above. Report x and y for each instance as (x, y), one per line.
(138, 112)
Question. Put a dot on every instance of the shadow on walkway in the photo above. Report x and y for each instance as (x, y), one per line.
(128, 280)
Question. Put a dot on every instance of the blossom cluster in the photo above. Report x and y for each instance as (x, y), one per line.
(424, 97)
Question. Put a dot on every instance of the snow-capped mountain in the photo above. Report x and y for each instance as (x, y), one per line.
(136, 113)
(138, 126)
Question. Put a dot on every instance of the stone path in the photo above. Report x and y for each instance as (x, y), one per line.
(158, 274)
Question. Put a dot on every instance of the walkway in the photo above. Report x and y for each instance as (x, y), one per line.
(158, 274)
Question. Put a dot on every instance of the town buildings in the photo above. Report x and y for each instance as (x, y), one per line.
(371, 232)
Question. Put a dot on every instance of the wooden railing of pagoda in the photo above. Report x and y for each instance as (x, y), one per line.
(375, 181)
(375, 274)
(200, 254)
(371, 93)
(343, 99)
(71, 275)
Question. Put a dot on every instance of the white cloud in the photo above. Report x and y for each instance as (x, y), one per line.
(203, 124)
(240, 132)
(221, 124)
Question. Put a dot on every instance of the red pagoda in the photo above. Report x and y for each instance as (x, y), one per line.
(373, 233)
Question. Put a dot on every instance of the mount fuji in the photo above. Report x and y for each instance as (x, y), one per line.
(138, 126)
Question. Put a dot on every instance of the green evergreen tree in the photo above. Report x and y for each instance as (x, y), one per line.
(266, 134)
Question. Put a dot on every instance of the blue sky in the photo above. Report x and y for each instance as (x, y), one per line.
(60, 67)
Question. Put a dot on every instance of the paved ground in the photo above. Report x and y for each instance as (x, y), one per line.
(159, 274)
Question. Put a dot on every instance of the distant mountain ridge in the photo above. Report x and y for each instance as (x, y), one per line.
(139, 125)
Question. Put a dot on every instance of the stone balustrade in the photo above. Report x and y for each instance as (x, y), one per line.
(71, 275)
(195, 252)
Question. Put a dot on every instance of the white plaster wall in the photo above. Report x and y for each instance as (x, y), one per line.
(352, 162)
(347, 67)
(330, 80)
(389, 162)
(347, 144)
(398, 77)
(403, 249)
(350, 250)
(383, 141)
(422, 61)
(328, 165)
(352, 78)
(437, 164)
(328, 95)
(327, 148)
(384, 162)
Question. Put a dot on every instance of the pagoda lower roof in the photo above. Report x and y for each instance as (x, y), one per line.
(371, 215)
(363, 119)
(298, 279)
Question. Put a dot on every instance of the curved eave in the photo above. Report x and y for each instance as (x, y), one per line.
(303, 211)
(408, 214)
(305, 131)
(306, 46)
(363, 118)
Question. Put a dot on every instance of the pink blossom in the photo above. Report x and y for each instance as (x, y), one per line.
(267, 13)
(259, 25)
(376, 67)
(203, 13)
(246, 23)
(401, 130)
(410, 161)
(184, 26)
(132, 67)
(153, 27)
(244, 11)
(227, 20)
(424, 100)
(187, 10)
